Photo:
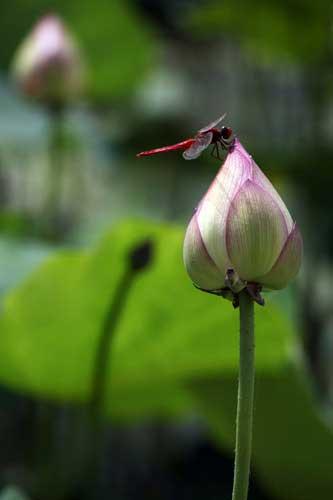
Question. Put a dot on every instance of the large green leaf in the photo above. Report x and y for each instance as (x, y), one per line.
(168, 332)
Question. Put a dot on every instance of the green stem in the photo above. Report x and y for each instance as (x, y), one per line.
(55, 160)
(245, 398)
(138, 259)
(52, 225)
(100, 368)
(100, 375)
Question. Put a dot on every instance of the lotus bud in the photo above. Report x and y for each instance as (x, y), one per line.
(47, 66)
(241, 235)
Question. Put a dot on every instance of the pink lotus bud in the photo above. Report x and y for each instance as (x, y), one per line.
(242, 225)
(47, 65)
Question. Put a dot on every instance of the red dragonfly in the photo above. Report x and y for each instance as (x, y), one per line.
(193, 147)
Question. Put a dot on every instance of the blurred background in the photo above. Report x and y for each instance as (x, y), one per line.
(118, 378)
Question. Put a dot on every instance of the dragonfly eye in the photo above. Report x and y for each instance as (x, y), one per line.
(226, 133)
(226, 136)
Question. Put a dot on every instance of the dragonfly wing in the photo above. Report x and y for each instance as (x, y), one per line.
(213, 124)
(201, 143)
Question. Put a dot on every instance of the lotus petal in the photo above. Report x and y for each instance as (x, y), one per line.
(256, 232)
(199, 265)
(288, 263)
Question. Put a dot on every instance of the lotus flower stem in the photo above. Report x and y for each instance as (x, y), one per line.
(244, 417)
(52, 226)
(138, 259)
(103, 352)
(55, 160)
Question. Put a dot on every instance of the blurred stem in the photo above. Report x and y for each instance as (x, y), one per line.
(99, 377)
(245, 398)
(138, 259)
(56, 163)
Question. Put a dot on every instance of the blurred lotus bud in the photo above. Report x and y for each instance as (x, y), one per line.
(242, 229)
(47, 66)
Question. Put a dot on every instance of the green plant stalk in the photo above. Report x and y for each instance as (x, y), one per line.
(244, 417)
(103, 352)
(55, 160)
(139, 258)
(99, 381)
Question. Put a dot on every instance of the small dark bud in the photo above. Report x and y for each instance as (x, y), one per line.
(141, 255)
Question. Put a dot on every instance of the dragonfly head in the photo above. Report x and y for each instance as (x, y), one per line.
(226, 137)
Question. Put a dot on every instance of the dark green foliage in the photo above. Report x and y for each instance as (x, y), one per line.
(293, 30)
(292, 447)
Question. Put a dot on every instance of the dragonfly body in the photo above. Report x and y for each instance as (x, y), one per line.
(194, 146)
(174, 147)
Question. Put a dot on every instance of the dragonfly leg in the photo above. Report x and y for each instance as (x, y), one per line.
(220, 149)
(214, 152)
(218, 157)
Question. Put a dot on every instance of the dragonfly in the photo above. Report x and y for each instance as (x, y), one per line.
(221, 138)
